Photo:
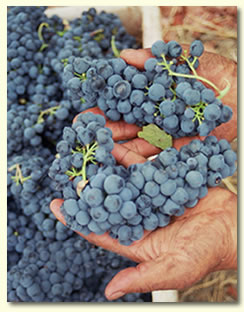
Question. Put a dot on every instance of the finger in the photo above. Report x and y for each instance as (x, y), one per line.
(136, 58)
(145, 149)
(142, 147)
(126, 157)
(178, 143)
(55, 208)
(94, 110)
(223, 69)
(122, 130)
(157, 274)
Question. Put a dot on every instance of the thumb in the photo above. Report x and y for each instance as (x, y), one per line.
(55, 208)
(147, 276)
(167, 271)
(137, 57)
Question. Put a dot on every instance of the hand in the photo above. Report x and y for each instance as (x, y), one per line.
(201, 241)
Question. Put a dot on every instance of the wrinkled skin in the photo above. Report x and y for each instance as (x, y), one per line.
(201, 241)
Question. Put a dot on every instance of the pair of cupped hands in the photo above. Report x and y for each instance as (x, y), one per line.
(202, 240)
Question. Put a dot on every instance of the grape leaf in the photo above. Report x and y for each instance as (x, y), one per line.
(155, 136)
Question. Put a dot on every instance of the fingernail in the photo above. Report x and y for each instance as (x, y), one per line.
(115, 295)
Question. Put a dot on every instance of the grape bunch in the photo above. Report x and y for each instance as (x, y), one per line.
(31, 191)
(64, 271)
(27, 171)
(125, 202)
(35, 101)
(83, 146)
(30, 76)
(168, 92)
(93, 36)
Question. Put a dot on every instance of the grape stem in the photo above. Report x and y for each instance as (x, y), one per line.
(88, 155)
(61, 33)
(82, 100)
(40, 36)
(98, 34)
(114, 48)
(18, 178)
(88, 152)
(47, 111)
(191, 65)
(82, 76)
(78, 38)
(167, 66)
(199, 111)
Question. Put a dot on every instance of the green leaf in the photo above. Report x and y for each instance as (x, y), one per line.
(156, 136)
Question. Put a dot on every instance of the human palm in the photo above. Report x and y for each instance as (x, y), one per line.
(200, 241)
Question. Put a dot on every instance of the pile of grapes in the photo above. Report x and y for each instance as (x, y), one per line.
(47, 262)
(56, 70)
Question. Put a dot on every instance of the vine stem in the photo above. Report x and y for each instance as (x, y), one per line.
(39, 32)
(82, 76)
(18, 178)
(50, 110)
(88, 154)
(196, 76)
(114, 48)
(190, 64)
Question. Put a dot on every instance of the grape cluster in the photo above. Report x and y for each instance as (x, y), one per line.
(125, 202)
(31, 191)
(30, 126)
(93, 36)
(35, 99)
(64, 271)
(27, 171)
(168, 93)
(82, 147)
(30, 76)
